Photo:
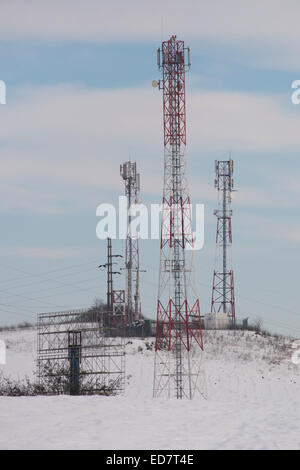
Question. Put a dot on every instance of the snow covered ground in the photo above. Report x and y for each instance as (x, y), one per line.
(253, 402)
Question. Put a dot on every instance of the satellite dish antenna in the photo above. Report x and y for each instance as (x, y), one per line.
(154, 83)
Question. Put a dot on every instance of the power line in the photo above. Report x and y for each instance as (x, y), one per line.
(42, 274)
(63, 285)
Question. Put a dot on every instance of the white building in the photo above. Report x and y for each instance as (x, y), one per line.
(216, 321)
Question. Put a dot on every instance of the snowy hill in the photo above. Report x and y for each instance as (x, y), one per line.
(253, 401)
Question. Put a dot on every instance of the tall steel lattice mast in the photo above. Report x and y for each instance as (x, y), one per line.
(179, 344)
(223, 283)
(132, 188)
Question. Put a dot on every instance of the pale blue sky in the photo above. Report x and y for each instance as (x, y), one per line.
(79, 101)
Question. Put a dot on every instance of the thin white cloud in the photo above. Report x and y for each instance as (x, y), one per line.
(243, 121)
(133, 117)
(271, 195)
(254, 226)
(65, 137)
(117, 20)
(16, 197)
(268, 30)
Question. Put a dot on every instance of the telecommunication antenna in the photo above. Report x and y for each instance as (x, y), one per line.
(223, 300)
(178, 370)
(132, 189)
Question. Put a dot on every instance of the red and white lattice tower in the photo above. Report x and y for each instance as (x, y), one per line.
(178, 371)
(223, 283)
(132, 188)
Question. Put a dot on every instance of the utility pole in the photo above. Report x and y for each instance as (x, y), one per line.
(109, 267)
(109, 275)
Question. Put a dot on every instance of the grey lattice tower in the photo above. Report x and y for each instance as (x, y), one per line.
(132, 189)
(223, 300)
(79, 353)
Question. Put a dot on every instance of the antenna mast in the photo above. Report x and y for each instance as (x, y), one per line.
(179, 345)
(223, 300)
(132, 189)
